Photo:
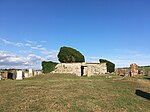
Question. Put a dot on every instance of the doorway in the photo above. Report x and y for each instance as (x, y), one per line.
(83, 70)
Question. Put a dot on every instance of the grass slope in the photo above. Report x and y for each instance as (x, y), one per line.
(68, 93)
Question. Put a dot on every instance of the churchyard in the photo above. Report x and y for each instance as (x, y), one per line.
(70, 93)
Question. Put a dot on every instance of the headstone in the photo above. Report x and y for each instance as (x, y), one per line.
(134, 69)
(26, 74)
(30, 72)
(35, 73)
(148, 73)
(5, 74)
(39, 72)
(19, 75)
(0, 77)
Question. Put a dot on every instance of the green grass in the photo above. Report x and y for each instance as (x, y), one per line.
(69, 93)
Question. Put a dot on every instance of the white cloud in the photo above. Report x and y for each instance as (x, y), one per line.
(28, 45)
(11, 43)
(52, 55)
(31, 42)
(123, 58)
(28, 59)
(10, 60)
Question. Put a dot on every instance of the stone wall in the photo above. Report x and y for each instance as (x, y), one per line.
(81, 69)
(70, 68)
(122, 71)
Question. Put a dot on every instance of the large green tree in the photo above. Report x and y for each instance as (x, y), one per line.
(69, 55)
(110, 65)
(48, 66)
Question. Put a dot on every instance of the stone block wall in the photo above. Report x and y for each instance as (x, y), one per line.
(81, 69)
(70, 68)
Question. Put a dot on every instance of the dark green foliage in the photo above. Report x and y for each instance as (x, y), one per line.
(69, 55)
(110, 65)
(48, 66)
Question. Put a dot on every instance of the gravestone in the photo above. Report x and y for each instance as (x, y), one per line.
(0, 77)
(148, 73)
(34, 73)
(19, 75)
(26, 74)
(30, 72)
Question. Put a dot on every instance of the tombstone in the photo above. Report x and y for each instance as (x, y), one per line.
(30, 72)
(14, 74)
(0, 77)
(134, 69)
(4, 75)
(148, 73)
(26, 74)
(39, 72)
(19, 75)
(35, 73)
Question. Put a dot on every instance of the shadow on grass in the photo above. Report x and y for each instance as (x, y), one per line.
(148, 78)
(142, 94)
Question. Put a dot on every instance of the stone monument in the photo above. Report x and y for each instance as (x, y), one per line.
(19, 75)
(30, 72)
(134, 69)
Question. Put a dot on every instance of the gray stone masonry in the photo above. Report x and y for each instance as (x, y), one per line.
(81, 69)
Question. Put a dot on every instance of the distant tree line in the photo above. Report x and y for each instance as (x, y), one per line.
(110, 65)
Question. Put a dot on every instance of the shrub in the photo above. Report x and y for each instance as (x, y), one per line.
(110, 65)
(69, 55)
(48, 66)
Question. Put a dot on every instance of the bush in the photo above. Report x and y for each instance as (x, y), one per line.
(48, 66)
(69, 55)
(110, 65)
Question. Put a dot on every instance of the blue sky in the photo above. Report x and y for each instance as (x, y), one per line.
(33, 30)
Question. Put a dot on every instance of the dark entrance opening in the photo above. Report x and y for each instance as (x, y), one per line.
(82, 70)
(10, 75)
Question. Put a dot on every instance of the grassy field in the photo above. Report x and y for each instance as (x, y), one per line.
(69, 93)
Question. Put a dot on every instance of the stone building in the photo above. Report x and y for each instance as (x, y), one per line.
(81, 69)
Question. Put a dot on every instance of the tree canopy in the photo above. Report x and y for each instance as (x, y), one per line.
(48, 66)
(110, 65)
(69, 55)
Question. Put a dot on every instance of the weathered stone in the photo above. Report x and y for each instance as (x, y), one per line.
(39, 72)
(35, 73)
(134, 69)
(30, 72)
(81, 69)
(0, 77)
(4, 74)
(19, 75)
(148, 73)
(26, 74)
(122, 72)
